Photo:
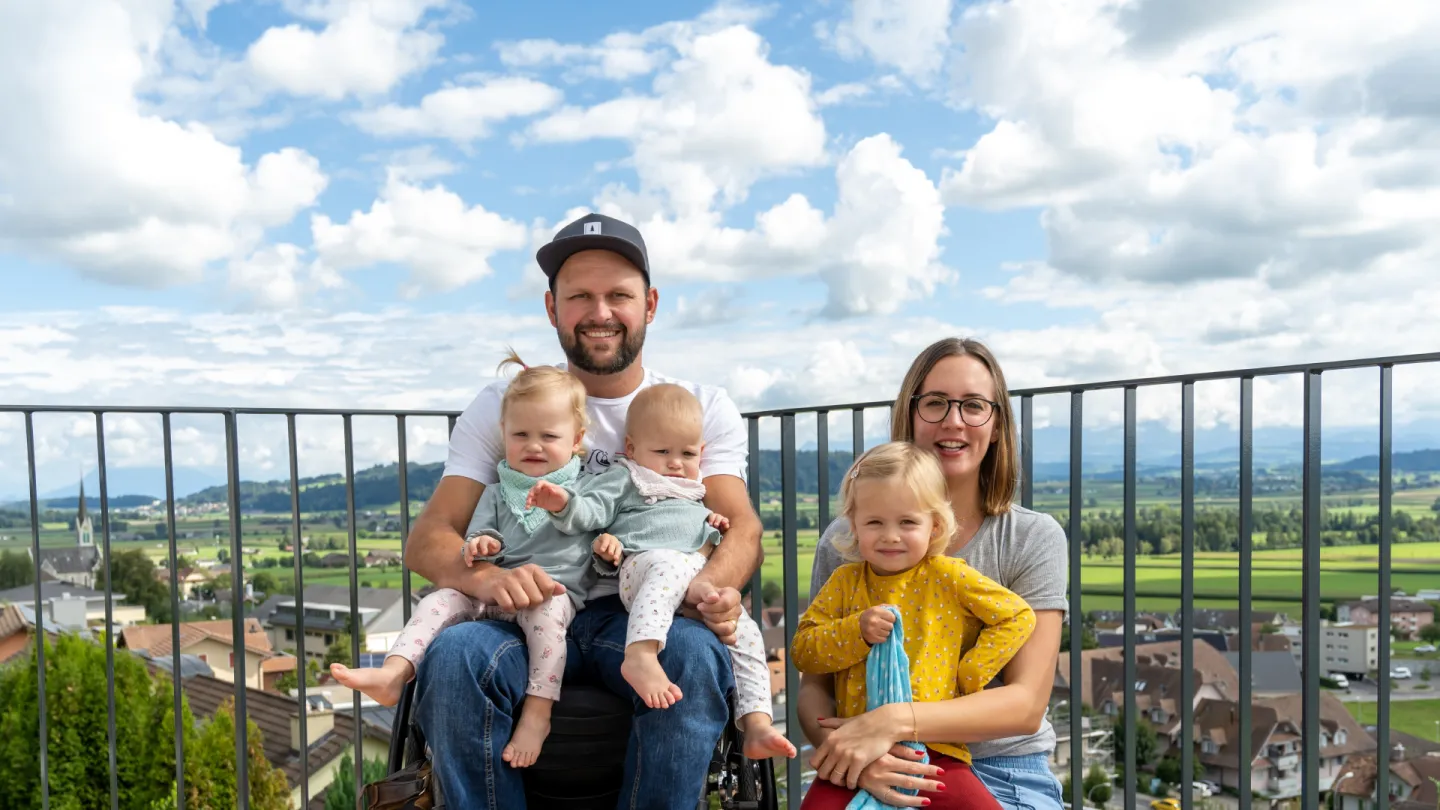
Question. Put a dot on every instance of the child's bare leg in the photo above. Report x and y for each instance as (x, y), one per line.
(383, 685)
(530, 732)
(544, 627)
(641, 669)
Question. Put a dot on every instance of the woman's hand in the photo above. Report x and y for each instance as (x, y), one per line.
(900, 768)
(854, 743)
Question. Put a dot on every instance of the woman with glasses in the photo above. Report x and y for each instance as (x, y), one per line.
(953, 403)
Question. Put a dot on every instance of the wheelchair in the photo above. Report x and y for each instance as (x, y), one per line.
(583, 760)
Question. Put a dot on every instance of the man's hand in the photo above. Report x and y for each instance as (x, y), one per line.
(513, 589)
(482, 545)
(718, 608)
(547, 496)
(876, 624)
(607, 547)
(718, 521)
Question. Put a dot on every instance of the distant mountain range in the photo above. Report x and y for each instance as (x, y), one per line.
(378, 486)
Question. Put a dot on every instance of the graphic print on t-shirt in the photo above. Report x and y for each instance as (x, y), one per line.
(597, 462)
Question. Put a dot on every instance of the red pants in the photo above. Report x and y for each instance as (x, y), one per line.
(963, 790)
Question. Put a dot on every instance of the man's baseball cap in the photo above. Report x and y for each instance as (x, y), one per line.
(594, 232)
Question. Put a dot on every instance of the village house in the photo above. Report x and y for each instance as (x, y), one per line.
(74, 606)
(213, 643)
(1407, 615)
(1276, 744)
(187, 580)
(1414, 765)
(328, 732)
(1228, 621)
(381, 558)
(327, 615)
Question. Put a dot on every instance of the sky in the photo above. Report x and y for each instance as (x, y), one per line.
(336, 203)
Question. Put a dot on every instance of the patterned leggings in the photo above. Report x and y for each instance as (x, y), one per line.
(652, 586)
(544, 627)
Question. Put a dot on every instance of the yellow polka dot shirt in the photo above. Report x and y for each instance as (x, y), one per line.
(961, 629)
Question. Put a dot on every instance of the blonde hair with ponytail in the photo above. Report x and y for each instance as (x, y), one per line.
(537, 382)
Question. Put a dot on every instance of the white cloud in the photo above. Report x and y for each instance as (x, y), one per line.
(463, 113)
(721, 116)
(365, 47)
(909, 35)
(1179, 141)
(444, 243)
(93, 179)
(843, 93)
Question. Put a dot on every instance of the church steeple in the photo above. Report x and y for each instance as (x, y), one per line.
(81, 516)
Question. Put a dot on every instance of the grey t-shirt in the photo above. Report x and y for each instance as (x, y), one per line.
(1024, 551)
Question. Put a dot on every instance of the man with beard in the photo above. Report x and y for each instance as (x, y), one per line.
(473, 678)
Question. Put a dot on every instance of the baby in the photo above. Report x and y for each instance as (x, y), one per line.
(651, 501)
(543, 420)
(961, 628)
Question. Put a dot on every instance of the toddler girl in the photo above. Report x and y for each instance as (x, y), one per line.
(650, 501)
(543, 420)
(961, 628)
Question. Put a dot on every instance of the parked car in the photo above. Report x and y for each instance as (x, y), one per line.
(1400, 673)
(1425, 648)
(1213, 786)
(1166, 803)
(1201, 789)
(1341, 682)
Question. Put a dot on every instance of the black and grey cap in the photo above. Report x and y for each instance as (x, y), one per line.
(594, 232)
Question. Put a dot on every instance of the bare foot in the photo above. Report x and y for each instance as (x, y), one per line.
(530, 732)
(383, 685)
(641, 669)
(763, 740)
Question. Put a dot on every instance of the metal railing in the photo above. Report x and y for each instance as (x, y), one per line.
(1310, 498)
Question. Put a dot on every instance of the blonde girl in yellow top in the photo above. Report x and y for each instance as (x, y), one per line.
(961, 628)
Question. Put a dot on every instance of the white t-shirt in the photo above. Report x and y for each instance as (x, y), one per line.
(477, 446)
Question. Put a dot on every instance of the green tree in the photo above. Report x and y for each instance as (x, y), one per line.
(77, 718)
(16, 570)
(265, 582)
(1147, 743)
(134, 575)
(1168, 771)
(341, 793)
(1096, 786)
(1430, 632)
(210, 767)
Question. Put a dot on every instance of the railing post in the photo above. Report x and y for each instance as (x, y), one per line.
(1310, 783)
(166, 440)
(1247, 488)
(109, 610)
(1077, 610)
(1027, 452)
(296, 549)
(1187, 594)
(355, 629)
(1130, 550)
(1382, 707)
(757, 590)
(43, 698)
(792, 603)
(237, 600)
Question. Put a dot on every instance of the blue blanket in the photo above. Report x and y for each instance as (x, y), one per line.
(887, 680)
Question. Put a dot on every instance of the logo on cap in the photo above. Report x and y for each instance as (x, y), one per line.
(592, 227)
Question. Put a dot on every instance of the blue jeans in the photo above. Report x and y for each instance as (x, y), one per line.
(1020, 783)
(471, 684)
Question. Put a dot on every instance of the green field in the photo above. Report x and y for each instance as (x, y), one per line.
(1418, 717)
(1347, 571)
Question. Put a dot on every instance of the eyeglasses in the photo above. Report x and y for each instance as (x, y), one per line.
(934, 408)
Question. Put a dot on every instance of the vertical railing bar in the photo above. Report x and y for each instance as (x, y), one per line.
(1187, 594)
(109, 610)
(359, 758)
(1382, 708)
(451, 427)
(752, 475)
(1130, 550)
(166, 441)
(1310, 782)
(822, 471)
(792, 603)
(1247, 490)
(857, 433)
(1077, 611)
(303, 665)
(1027, 453)
(237, 600)
(44, 731)
(403, 457)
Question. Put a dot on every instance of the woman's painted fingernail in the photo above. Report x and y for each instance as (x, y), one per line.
(941, 786)
(924, 802)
